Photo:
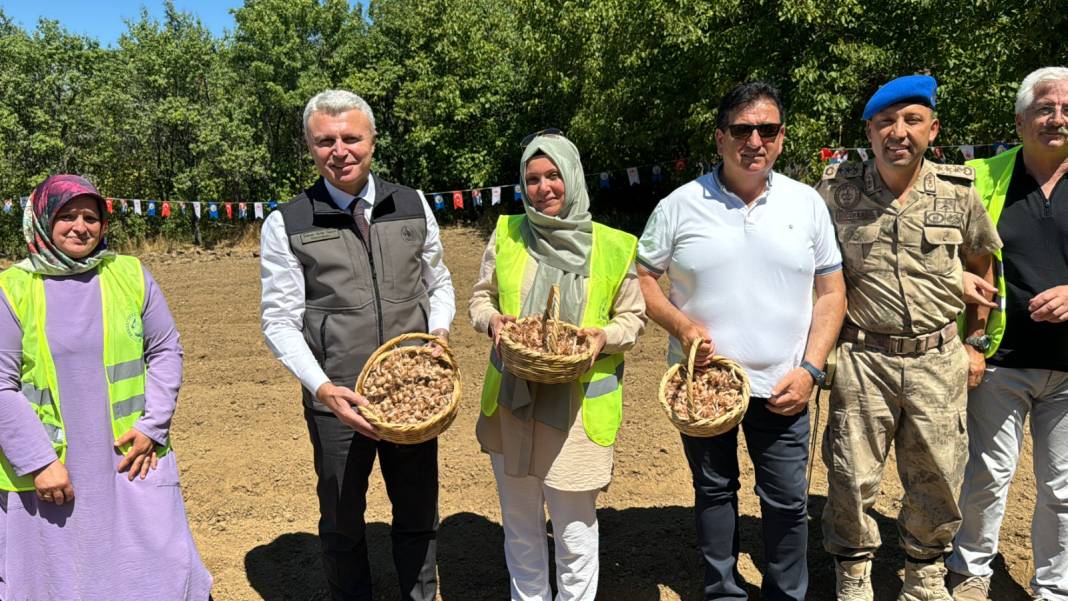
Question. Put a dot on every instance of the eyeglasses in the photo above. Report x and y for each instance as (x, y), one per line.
(743, 131)
(548, 131)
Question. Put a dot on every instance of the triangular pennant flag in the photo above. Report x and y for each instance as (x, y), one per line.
(242, 210)
(166, 210)
(213, 210)
(457, 200)
(840, 156)
(632, 175)
(495, 195)
(605, 179)
(968, 151)
(137, 206)
(518, 194)
(1000, 147)
(229, 210)
(108, 202)
(196, 209)
(658, 174)
(257, 210)
(863, 152)
(826, 154)
(272, 205)
(937, 151)
(680, 165)
(439, 202)
(8, 206)
(151, 208)
(476, 197)
(123, 206)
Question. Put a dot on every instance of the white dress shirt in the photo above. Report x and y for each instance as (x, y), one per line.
(282, 280)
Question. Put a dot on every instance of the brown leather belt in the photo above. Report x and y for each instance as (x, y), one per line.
(898, 345)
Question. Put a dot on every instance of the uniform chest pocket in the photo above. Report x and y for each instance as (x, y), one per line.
(941, 248)
(862, 250)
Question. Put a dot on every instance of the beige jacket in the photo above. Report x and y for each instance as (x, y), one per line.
(564, 460)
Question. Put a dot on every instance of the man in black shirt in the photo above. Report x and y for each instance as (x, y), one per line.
(1025, 190)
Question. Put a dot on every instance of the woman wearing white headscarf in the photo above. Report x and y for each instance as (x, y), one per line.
(551, 444)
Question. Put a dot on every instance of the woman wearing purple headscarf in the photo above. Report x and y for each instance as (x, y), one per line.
(90, 366)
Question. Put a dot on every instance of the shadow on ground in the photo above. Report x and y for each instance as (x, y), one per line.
(643, 550)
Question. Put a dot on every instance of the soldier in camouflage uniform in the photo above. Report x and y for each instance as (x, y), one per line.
(905, 226)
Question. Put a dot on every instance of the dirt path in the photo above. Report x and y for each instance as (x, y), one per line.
(249, 486)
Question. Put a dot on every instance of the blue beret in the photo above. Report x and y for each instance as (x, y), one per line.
(917, 88)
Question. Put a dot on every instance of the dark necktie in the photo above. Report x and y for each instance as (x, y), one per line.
(361, 221)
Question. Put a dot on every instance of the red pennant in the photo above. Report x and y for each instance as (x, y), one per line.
(166, 211)
(108, 201)
(826, 154)
(938, 152)
(457, 200)
(229, 210)
(680, 165)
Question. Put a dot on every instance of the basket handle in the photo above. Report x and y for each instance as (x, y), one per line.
(550, 319)
(691, 404)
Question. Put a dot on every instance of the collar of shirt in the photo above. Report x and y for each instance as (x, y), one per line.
(343, 199)
(762, 199)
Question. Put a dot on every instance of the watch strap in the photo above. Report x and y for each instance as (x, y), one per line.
(817, 374)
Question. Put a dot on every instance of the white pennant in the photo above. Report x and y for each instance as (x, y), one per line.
(196, 209)
(863, 152)
(257, 210)
(632, 175)
(968, 151)
(137, 206)
(495, 196)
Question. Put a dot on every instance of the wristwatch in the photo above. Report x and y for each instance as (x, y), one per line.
(817, 374)
(980, 343)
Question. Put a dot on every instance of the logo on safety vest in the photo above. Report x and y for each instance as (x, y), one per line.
(134, 327)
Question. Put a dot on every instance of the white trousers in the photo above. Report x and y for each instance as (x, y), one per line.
(997, 409)
(526, 551)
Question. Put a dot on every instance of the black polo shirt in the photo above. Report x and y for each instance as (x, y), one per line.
(1034, 230)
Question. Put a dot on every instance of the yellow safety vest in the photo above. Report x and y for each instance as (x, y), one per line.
(602, 386)
(122, 296)
(992, 178)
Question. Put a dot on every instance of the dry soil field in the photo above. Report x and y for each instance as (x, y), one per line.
(249, 485)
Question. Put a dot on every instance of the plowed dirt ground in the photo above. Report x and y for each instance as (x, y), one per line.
(249, 485)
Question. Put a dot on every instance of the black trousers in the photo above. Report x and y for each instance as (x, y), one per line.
(778, 446)
(343, 462)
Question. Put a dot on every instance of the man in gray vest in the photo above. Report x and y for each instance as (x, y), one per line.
(350, 263)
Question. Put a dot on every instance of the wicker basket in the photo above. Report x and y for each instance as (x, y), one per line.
(422, 431)
(710, 426)
(544, 367)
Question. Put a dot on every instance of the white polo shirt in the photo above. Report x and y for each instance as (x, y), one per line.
(745, 272)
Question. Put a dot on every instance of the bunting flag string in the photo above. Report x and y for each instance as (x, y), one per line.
(942, 153)
(655, 173)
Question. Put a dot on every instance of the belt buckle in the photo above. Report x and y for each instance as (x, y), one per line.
(904, 345)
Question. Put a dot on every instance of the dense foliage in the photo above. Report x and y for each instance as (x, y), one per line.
(172, 112)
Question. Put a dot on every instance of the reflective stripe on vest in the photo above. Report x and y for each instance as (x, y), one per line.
(602, 386)
(992, 178)
(122, 296)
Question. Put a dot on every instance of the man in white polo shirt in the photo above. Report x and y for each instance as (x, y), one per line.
(743, 248)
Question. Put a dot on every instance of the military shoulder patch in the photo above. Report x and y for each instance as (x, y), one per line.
(958, 171)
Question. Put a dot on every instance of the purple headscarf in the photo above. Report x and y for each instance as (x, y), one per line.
(37, 220)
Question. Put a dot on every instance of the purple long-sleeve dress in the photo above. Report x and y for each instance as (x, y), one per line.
(118, 539)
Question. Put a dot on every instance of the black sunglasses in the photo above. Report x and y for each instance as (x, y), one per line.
(742, 131)
(548, 131)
